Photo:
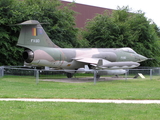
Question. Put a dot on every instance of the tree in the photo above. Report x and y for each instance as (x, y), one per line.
(8, 35)
(125, 29)
(60, 25)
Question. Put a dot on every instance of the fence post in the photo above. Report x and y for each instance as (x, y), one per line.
(37, 77)
(126, 74)
(95, 76)
(1, 71)
(150, 74)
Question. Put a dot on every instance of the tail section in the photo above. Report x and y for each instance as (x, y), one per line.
(33, 34)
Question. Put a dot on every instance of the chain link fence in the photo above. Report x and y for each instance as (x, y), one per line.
(43, 74)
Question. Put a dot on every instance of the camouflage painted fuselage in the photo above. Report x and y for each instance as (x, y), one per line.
(66, 58)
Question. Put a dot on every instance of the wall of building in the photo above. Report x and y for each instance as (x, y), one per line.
(86, 12)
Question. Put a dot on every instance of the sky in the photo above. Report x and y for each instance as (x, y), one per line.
(151, 8)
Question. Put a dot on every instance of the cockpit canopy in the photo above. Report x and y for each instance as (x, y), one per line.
(127, 49)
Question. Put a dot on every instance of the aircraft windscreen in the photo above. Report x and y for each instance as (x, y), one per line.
(129, 50)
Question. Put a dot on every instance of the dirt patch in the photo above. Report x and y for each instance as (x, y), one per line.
(82, 80)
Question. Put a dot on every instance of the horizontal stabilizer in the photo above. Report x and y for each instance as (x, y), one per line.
(29, 22)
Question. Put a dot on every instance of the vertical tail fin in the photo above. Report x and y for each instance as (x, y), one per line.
(33, 34)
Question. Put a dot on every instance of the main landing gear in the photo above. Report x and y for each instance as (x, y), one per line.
(69, 75)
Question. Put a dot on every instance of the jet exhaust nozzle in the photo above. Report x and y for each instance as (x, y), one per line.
(28, 56)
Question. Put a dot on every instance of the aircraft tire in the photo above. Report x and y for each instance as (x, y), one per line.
(69, 75)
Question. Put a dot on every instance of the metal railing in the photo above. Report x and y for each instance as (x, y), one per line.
(54, 74)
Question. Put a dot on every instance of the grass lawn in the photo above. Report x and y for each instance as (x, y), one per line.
(25, 87)
(14, 110)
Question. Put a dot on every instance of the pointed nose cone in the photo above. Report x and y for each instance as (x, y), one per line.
(141, 58)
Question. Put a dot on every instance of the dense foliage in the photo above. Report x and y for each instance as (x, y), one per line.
(125, 29)
(60, 25)
(9, 53)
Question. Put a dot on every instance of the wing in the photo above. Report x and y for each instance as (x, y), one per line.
(88, 60)
(99, 63)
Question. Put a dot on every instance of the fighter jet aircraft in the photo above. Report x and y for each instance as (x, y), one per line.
(41, 51)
